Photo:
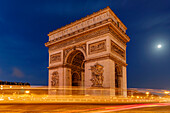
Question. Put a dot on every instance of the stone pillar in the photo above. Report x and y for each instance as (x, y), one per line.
(108, 74)
(49, 79)
(82, 79)
(124, 81)
(67, 81)
(120, 82)
(67, 77)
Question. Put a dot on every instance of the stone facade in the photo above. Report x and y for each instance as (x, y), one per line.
(90, 52)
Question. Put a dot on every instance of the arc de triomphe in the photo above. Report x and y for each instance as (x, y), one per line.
(90, 52)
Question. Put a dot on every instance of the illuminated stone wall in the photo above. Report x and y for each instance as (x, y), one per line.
(89, 49)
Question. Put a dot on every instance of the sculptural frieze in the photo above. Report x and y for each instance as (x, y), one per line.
(97, 47)
(55, 58)
(97, 75)
(117, 49)
(55, 79)
(79, 39)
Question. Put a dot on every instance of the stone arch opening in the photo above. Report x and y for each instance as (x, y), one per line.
(75, 61)
(118, 79)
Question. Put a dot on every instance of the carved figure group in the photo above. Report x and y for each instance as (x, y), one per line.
(97, 75)
(55, 79)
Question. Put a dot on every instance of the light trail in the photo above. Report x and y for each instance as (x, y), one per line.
(31, 95)
(119, 108)
(135, 106)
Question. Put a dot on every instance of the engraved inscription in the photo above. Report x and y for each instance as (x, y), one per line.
(97, 47)
(117, 49)
(55, 58)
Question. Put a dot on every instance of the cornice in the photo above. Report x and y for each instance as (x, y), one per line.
(55, 66)
(78, 33)
(85, 22)
(109, 22)
(65, 65)
(117, 18)
(104, 57)
(119, 30)
(79, 21)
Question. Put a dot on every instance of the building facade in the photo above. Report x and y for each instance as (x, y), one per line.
(90, 52)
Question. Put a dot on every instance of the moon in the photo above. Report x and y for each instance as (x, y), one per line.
(159, 46)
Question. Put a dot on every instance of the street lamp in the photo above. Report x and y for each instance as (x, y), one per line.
(147, 94)
(27, 92)
(167, 92)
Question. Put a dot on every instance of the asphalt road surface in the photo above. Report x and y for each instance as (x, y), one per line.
(133, 108)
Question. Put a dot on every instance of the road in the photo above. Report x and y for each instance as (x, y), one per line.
(133, 108)
(162, 109)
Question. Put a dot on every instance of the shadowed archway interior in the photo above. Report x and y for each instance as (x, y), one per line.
(76, 63)
(118, 79)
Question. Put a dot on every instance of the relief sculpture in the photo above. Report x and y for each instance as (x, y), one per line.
(117, 49)
(55, 79)
(55, 58)
(97, 47)
(97, 75)
(79, 39)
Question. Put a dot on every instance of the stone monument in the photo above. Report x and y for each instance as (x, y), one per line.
(90, 52)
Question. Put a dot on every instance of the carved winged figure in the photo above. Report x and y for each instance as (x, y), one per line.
(97, 75)
(55, 79)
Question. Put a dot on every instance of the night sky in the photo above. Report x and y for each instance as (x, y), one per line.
(24, 25)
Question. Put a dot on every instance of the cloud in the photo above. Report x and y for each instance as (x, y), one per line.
(17, 73)
(157, 21)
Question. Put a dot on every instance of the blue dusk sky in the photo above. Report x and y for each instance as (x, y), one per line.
(24, 25)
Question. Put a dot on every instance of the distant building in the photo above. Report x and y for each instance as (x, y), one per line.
(13, 87)
(14, 83)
